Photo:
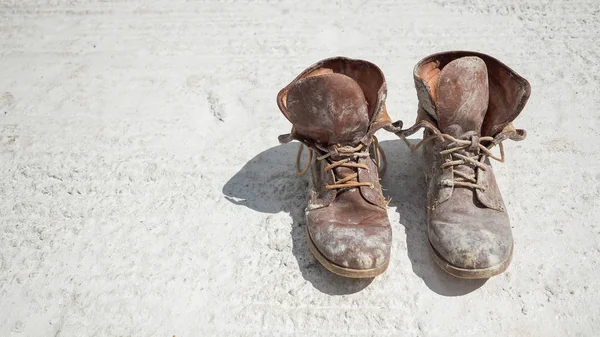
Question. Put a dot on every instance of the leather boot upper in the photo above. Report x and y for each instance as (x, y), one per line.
(471, 99)
(335, 107)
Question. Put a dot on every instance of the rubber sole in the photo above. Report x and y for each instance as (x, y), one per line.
(470, 273)
(343, 271)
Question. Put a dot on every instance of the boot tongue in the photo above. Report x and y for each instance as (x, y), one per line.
(329, 109)
(462, 96)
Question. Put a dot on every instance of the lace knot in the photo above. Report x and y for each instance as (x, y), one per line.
(469, 149)
(344, 156)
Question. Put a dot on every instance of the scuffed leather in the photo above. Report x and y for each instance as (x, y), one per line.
(329, 109)
(462, 96)
(469, 235)
(439, 180)
(319, 197)
(368, 76)
(424, 96)
(509, 94)
(468, 227)
(350, 234)
(341, 102)
(440, 186)
(509, 91)
(371, 194)
(491, 196)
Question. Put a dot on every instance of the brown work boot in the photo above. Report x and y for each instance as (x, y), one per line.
(467, 103)
(335, 106)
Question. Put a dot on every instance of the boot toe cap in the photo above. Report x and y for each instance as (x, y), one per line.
(355, 247)
(471, 246)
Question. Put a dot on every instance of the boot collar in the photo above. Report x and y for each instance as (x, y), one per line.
(509, 92)
(366, 74)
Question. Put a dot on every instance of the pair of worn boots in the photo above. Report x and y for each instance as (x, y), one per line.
(467, 103)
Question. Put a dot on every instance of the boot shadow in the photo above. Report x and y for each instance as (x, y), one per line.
(404, 183)
(268, 184)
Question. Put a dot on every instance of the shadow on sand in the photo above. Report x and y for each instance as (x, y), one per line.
(268, 184)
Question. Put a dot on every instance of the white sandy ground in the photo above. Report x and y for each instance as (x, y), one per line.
(143, 191)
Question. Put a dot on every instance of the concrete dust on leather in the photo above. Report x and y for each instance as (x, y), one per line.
(144, 192)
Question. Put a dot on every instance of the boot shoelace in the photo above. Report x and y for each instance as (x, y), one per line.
(473, 145)
(350, 153)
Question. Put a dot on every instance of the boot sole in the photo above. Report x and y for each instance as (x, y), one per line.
(343, 271)
(470, 273)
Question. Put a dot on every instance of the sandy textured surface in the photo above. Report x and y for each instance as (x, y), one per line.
(143, 191)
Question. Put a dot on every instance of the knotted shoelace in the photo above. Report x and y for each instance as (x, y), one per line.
(473, 145)
(351, 154)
